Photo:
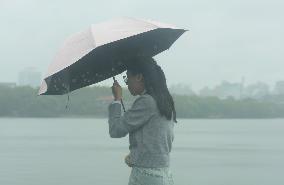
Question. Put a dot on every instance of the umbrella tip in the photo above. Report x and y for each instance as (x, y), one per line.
(43, 88)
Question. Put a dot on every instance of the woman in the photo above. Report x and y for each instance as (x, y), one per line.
(149, 123)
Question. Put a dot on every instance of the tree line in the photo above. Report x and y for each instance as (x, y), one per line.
(93, 102)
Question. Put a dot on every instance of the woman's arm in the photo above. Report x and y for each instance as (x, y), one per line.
(139, 114)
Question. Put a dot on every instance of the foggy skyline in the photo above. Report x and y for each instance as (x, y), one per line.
(225, 41)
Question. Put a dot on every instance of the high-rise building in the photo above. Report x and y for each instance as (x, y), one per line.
(224, 90)
(257, 90)
(279, 87)
(181, 89)
(29, 77)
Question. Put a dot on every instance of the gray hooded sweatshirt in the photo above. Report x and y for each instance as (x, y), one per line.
(150, 134)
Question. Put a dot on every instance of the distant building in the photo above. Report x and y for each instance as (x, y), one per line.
(7, 84)
(257, 90)
(224, 90)
(279, 87)
(227, 89)
(29, 77)
(206, 91)
(181, 89)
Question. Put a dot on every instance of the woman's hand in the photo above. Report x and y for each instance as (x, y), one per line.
(116, 91)
(127, 161)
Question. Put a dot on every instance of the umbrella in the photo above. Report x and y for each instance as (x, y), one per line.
(101, 51)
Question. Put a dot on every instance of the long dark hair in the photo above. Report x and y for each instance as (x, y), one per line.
(155, 84)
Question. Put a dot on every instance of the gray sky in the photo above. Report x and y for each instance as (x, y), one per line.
(227, 39)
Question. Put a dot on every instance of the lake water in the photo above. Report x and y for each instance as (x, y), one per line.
(80, 152)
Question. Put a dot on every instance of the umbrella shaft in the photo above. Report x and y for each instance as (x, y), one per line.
(121, 99)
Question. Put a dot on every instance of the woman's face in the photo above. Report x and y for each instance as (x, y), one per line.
(135, 83)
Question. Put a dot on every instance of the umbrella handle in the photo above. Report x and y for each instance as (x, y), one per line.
(121, 98)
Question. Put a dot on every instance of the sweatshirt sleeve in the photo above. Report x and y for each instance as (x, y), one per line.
(131, 120)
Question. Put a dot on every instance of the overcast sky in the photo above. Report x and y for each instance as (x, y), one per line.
(227, 39)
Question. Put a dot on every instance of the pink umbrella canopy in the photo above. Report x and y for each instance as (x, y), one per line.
(102, 50)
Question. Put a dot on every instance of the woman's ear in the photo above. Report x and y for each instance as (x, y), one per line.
(139, 77)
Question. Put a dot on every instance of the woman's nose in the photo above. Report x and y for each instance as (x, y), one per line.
(125, 80)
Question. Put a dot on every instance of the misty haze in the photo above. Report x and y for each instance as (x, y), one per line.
(224, 73)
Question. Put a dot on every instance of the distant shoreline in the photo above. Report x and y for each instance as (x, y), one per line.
(92, 102)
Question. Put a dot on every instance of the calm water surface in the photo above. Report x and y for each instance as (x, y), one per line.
(80, 152)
